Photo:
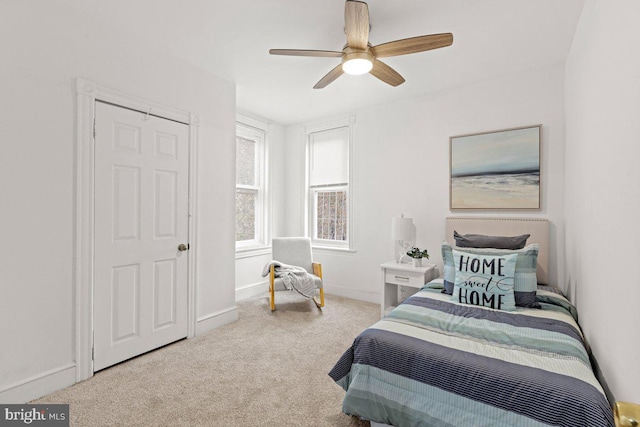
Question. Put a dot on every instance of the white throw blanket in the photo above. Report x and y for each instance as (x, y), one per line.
(293, 277)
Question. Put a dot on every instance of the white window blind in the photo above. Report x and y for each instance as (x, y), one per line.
(329, 157)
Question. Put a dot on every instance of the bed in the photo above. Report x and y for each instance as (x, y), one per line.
(434, 361)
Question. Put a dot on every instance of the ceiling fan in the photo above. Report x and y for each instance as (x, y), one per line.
(360, 57)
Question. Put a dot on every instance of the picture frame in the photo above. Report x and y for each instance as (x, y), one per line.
(495, 170)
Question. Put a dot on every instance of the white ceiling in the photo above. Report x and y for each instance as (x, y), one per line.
(231, 39)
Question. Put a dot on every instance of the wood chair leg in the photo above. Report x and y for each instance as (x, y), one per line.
(317, 270)
(272, 276)
(320, 303)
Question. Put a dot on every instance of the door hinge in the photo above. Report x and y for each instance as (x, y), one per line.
(93, 353)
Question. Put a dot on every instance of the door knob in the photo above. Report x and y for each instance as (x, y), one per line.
(182, 247)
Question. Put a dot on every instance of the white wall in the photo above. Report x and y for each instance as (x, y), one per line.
(45, 46)
(603, 187)
(401, 165)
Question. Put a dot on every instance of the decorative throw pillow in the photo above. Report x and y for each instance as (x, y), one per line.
(526, 282)
(485, 280)
(449, 273)
(496, 242)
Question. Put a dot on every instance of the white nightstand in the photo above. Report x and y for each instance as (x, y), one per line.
(395, 275)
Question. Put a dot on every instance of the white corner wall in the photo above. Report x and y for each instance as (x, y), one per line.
(401, 165)
(603, 187)
(45, 47)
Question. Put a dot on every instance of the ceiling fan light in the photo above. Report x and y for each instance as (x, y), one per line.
(357, 66)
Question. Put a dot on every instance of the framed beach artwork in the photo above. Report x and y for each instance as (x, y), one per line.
(496, 170)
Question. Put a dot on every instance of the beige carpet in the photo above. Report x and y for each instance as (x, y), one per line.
(266, 369)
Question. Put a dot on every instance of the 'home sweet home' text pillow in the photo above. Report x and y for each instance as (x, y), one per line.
(526, 282)
(485, 280)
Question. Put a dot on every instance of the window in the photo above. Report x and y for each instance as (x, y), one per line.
(329, 200)
(251, 209)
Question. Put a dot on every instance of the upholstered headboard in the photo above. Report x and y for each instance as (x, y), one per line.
(538, 228)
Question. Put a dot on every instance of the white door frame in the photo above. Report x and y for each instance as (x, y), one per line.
(87, 92)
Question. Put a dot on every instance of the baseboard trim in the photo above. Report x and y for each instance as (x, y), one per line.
(216, 320)
(256, 289)
(39, 385)
(252, 290)
(600, 377)
(357, 294)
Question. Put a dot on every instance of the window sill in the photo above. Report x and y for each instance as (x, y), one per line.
(334, 249)
(252, 251)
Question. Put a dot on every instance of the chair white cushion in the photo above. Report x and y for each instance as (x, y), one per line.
(293, 251)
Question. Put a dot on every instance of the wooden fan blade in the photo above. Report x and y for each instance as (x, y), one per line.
(330, 77)
(306, 52)
(386, 73)
(412, 45)
(356, 24)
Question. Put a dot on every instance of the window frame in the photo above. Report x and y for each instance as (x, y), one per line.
(310, 208)
(314, 206)
(257, 131)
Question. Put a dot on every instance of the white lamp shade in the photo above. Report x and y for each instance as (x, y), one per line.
(401, 228)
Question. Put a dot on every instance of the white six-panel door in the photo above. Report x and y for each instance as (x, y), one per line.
(141, 219)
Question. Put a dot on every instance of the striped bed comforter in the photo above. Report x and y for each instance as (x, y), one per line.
(433, 362)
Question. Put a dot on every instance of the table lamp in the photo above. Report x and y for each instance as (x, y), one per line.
(402, 232)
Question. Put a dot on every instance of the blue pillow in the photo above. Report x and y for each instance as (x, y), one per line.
(485, 280)
(526, 281)
(449, 272)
